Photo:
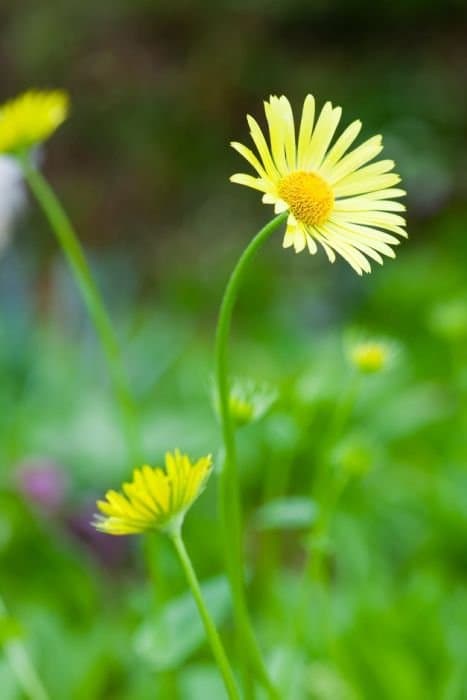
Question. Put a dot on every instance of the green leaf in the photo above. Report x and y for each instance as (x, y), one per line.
(177, 632)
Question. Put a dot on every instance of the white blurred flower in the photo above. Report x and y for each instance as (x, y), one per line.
(12, 196)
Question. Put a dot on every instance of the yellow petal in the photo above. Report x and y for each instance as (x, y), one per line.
(355, 159)
(322, 136)
(306, 128)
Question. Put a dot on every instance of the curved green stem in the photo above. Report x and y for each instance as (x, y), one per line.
(230, 506)
(211, 631)
(67, 238)
(21, 665)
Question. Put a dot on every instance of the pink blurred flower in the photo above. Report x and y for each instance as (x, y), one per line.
(42, 482)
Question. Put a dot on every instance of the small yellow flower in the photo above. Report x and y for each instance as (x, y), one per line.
(155, 499)
(370, 357)
(30, 118)
(332, 195)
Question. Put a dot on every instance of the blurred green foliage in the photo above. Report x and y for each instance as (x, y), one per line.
(158, 91)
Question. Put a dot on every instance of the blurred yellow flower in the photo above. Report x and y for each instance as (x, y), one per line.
(370, 357)
(333, 196)
(30, 118)
(155, 499)
(250, 400)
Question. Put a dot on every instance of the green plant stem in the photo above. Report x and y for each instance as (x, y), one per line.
(230, 506)
(211, 631)
(68, 240)
(21, 665)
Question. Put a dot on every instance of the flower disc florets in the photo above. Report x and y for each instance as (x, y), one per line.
(309, 197)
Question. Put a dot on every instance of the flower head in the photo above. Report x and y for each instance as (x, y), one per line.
(30, 118)
(370, 356)
(333, 197)
(250, 400)
(155, 499)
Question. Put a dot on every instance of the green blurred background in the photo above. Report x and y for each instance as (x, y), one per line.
(158, 91)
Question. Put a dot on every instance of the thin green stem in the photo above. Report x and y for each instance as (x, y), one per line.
(21, 665)
(68, 240)
(211, 631)
(230, 505)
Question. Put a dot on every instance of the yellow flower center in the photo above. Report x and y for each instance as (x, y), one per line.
(309, 197)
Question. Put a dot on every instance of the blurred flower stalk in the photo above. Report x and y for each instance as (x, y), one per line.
(25, 123)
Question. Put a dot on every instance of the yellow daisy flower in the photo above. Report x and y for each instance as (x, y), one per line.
(155, 499)
(30, 118)
(333, 195)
